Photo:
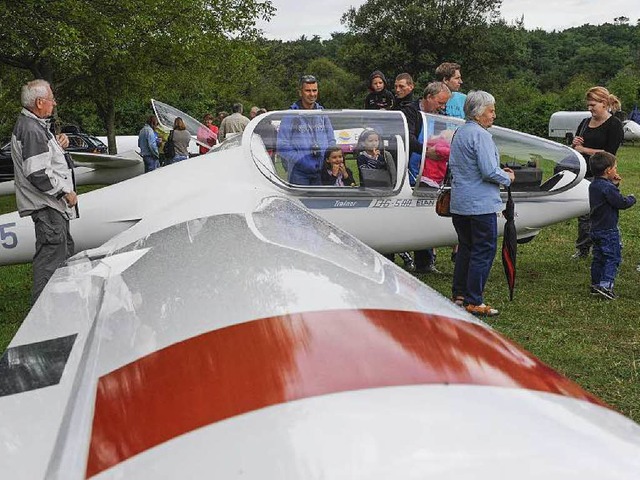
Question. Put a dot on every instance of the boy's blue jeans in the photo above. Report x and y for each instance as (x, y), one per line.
(607, 256)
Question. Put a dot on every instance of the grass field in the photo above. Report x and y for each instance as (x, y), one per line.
(592, 341)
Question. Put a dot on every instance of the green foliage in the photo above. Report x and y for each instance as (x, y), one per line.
(106, 52)
(336, 86)
(521, 106)
(626, 86)
(417, 35)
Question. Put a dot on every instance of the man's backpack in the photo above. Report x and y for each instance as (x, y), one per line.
(170, 148)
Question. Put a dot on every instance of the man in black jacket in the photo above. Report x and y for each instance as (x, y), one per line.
(424, 259)
(407, 105)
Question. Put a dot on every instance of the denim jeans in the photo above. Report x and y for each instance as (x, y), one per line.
(178, 158)
(150, 163)
(477, 240)
(424, 258)
(303, 178)
(607, 256)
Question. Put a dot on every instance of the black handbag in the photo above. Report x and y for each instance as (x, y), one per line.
(170, 147)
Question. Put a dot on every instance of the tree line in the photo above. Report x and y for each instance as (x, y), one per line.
(107, 58)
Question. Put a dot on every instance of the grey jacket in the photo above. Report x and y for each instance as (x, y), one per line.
(42, 175)
(181, 139)
(234, 123)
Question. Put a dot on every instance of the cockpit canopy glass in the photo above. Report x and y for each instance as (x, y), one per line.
(540, 166)
(323, 149)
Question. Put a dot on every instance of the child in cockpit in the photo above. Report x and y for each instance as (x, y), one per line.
(334, 171)
(370, 155)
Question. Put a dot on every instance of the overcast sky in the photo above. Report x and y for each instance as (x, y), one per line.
(295, 18)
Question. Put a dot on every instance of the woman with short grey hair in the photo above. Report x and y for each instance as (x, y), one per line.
(476, 177)
(476, 103)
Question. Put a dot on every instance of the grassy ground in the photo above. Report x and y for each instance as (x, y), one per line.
(592, 341)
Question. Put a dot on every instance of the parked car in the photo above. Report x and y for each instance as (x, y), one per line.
(6, 165)
(78, 142)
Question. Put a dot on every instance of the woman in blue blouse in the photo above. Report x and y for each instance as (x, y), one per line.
(476, 177)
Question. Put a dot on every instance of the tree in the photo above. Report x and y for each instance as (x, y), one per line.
(416, 35)
(105, 50)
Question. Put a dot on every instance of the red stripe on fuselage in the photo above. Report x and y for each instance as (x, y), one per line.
(245, 367)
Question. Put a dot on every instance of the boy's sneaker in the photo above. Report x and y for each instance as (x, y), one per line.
(408, 261)
(482, 310)
(605, 292)
(593, 290)
(458, 300)
(580, 254)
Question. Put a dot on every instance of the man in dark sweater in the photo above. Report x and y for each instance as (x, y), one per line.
(605, 201)
(424, 259)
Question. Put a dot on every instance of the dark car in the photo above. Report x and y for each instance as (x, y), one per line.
(78, 142)
(83, 142)
(6, 165)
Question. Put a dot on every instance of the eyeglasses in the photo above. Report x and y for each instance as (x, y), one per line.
(308, 79)
(52, 99)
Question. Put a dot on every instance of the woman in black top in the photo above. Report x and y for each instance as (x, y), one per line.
(602, 132)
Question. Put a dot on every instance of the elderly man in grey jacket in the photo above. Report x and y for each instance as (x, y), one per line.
(233, 124)
(44, 181)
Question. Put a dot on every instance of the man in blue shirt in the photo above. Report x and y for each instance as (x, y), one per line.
(303, 139)
(449, 74)
(148, 144)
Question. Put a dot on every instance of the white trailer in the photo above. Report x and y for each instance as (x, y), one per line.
(565, 124)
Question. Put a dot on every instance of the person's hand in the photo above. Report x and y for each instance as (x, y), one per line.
(335, 169)
(343, 170)
(616, 179)
(376, 152)
(431, 153)
(71, 198)
(577, 141)
(512, 175)
(62, 140)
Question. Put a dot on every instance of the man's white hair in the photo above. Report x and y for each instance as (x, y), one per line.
(33, 90)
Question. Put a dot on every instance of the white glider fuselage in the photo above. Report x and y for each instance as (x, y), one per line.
(235, 179)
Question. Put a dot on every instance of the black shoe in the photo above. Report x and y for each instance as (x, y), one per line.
(605, 292)
(408, 261)
(453, 256)
(428, 269)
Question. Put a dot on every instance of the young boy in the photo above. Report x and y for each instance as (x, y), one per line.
(379, 97)
(604, 201)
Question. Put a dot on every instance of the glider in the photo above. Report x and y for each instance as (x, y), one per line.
(389, 216)
(221, 322)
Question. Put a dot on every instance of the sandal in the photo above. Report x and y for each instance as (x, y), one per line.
(458, 300)
(482, 310)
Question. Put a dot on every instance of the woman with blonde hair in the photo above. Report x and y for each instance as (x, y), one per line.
(602, 132)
